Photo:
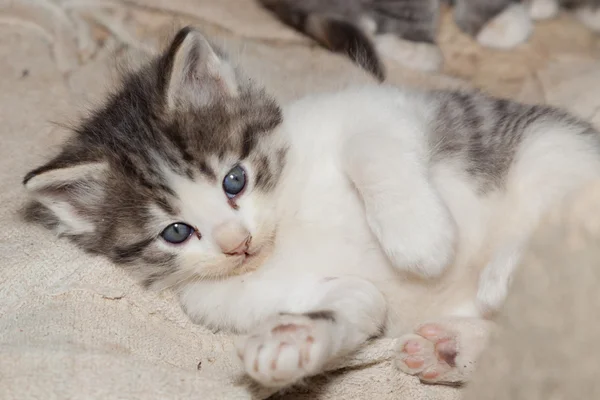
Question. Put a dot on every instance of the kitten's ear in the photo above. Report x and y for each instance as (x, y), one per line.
(71, 193)
(198, 76)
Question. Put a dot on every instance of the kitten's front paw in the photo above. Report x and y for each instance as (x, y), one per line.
(507, 30)
(286, 350)
(424, 250)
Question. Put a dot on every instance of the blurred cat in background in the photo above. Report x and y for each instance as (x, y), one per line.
(405, 30)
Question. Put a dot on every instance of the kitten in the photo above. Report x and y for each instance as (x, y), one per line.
(405, 30)
(344, 216)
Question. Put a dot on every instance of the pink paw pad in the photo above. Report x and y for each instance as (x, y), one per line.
(430, 353)
(412, 347)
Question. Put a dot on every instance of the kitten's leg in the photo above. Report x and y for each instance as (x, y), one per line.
(402, 207)
(543, 9)
(500, 24)
(444, 351)
(292, 346)
(496, 277)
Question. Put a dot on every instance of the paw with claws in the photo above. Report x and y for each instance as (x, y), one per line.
(286, 349)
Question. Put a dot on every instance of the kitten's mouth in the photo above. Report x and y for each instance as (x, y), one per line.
(246, 263)
(252, 259)
(250, 255)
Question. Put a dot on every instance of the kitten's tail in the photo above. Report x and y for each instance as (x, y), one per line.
(336, 34)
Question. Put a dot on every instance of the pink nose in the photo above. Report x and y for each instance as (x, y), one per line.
(232, 238)
(241, 249)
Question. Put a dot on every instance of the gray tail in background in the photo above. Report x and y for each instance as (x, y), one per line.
(335, 34)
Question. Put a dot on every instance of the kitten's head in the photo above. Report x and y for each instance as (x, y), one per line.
(175, 174)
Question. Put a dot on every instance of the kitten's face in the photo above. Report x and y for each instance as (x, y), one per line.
(219, 223)
(176, 175)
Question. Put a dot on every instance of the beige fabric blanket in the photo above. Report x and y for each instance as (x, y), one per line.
(74, 326)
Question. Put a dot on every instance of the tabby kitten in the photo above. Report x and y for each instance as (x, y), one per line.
(373, 210)
(405, 30)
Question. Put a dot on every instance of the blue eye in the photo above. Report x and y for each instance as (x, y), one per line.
(234, 182)
(177, 233)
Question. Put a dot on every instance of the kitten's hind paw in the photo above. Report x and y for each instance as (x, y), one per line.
(444, 352)
(287, 349)
(418, 355)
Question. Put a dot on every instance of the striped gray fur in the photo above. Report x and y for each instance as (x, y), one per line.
(485, 133)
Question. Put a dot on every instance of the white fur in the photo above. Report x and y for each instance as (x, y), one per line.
(510, 28)
(376, 158)
(543, 9)
(420, 56)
